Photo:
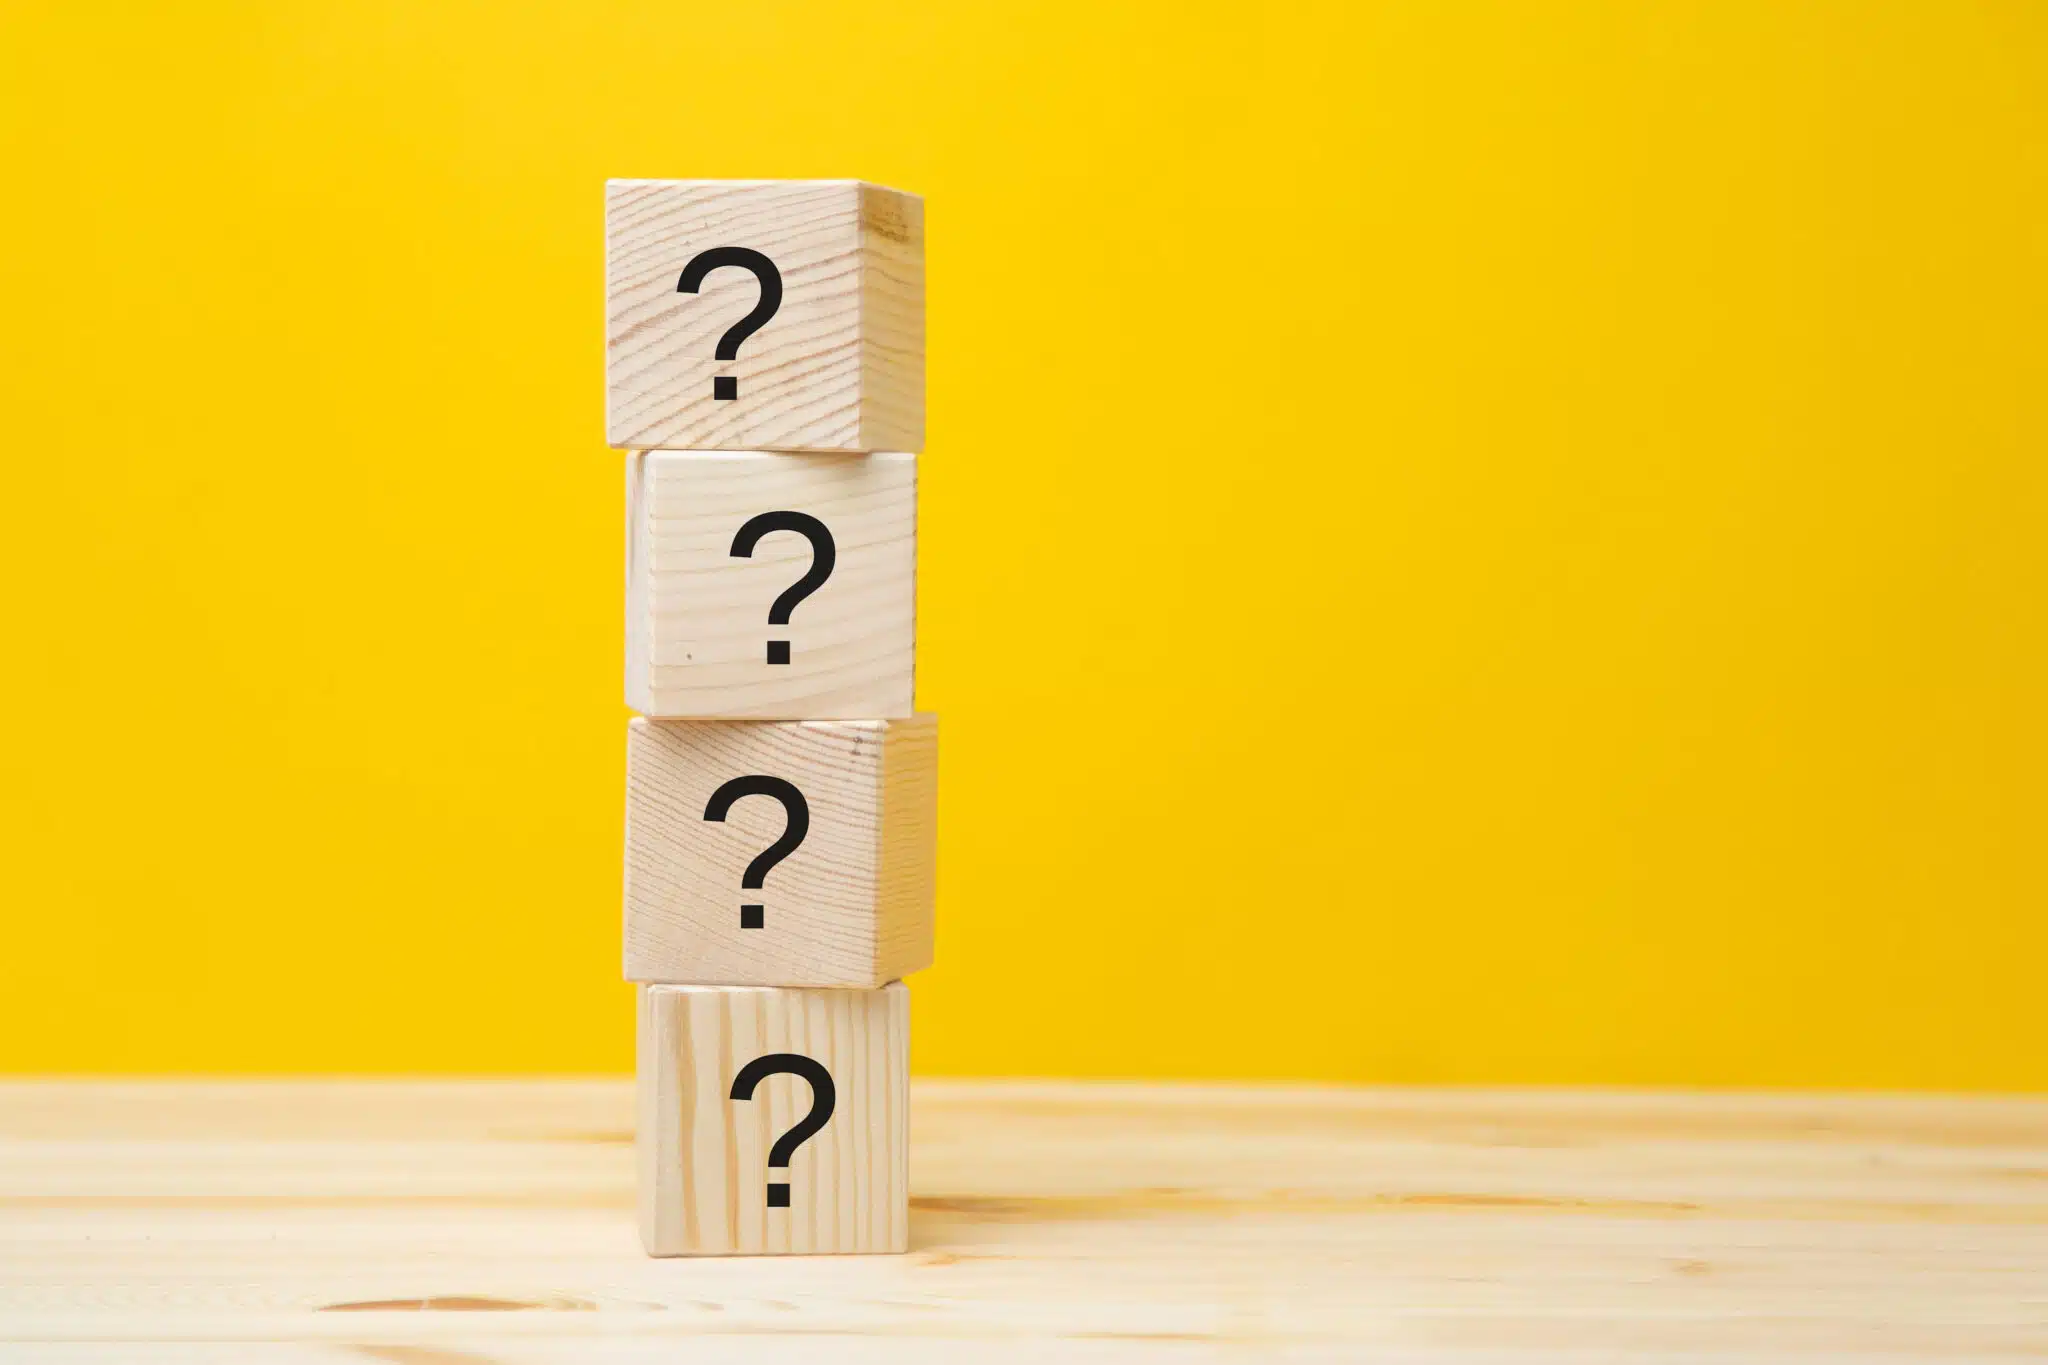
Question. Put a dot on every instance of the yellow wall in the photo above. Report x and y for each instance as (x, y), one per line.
(1461, 542)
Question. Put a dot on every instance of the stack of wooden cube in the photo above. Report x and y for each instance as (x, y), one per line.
(765, 373)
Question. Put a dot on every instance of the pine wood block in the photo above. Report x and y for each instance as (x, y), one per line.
(838, 364)
(726, 1073)
(792, 853)
(727, 614)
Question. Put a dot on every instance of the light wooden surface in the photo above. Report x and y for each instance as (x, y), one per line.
(493, 1224)
(852, 905)
(840, 366)
(705, 1156)
(697, 615)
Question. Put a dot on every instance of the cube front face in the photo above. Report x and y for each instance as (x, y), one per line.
(764, 585)
(837, 365)
(725, 1075)
(780, 853)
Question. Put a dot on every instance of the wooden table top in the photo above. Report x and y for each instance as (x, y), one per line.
(432, 1223)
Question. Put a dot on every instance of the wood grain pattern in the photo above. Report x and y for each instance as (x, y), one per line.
(853, 905)
(704, 1155)
(697, 615)
(492, 1223)
(839, 367)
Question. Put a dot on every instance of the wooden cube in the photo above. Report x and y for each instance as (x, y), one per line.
(764, 315)
(726, 1073)
(794, 853)
(727, 614)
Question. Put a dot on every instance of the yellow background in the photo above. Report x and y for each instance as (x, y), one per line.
(1460, 541)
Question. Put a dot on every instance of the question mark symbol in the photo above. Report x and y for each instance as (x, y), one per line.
(702, 264)
(824, 554)
(798, 812)
(822, 1100)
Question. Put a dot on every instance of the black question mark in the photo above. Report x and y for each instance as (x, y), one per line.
(702, 264)
(794, 806)
(822, 1099)
(824, 554)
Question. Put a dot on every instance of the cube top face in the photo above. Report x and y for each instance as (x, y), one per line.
(728, 1076)
(771, 586)
(764, 315)
(780, 853)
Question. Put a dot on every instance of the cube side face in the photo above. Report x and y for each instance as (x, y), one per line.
(656, 1136)
(796, 381)
(686, 902)
(639, 632)
(892, 319)
(907, 833)
(699, 640)
(706, 1181)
